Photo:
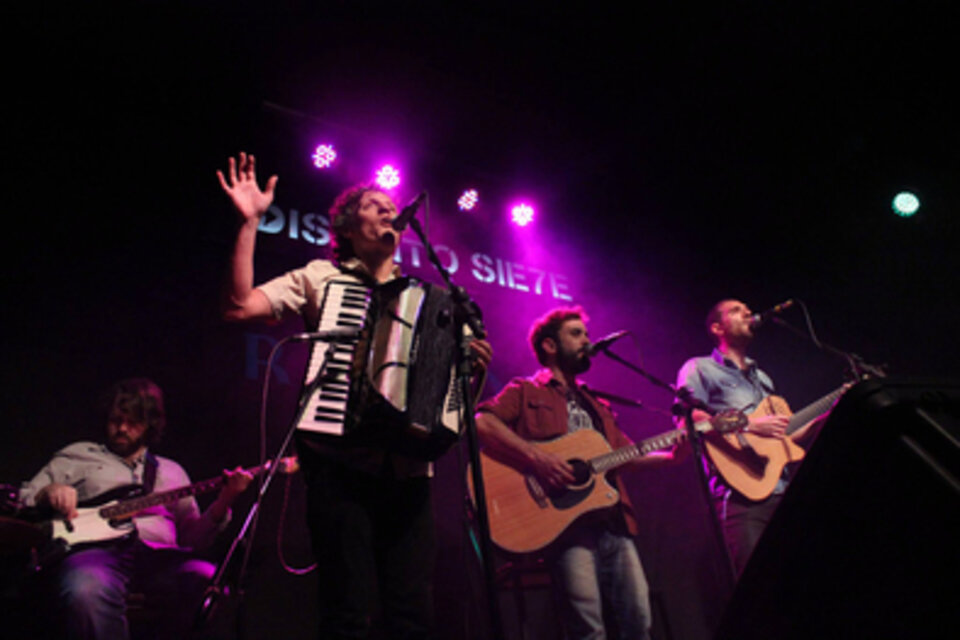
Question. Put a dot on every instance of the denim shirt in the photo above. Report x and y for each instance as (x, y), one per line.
(717, 381)
(721, 384)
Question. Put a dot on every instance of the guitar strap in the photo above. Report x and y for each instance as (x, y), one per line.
(149, 472)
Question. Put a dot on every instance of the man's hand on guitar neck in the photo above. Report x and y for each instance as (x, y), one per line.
(772, 426)
(235, 483)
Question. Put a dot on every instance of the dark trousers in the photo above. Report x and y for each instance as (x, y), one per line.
(371, 535)
(743, 523)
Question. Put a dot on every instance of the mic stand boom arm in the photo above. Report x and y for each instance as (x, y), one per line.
(858, 367)
(469, 313)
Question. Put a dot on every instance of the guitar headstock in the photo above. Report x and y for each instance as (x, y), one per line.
(289, 464)
(729, 420)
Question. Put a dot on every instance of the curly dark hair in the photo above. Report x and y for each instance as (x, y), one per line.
(548, 326)
(343, 218)
(138, 400)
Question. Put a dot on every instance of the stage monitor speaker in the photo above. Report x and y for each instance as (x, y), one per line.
(866, 542)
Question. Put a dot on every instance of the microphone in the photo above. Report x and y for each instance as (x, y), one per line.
(406, 214)
(331, 335)
(604, 342)
(757, 320)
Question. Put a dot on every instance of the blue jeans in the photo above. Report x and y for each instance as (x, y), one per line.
(598, 576)
(93, 585)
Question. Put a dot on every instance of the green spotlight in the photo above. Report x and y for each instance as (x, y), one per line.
(905, 204)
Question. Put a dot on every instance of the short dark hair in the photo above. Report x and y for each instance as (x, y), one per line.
(715, 315)
(343, 218)
(548, 326)
(140, 401)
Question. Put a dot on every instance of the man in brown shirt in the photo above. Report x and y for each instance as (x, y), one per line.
(596, 565)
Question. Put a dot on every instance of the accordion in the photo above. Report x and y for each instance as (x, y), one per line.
(394, 385)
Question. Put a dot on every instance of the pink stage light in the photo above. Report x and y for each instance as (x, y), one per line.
(324, 156)
(388, 177)
(522, 215)
(468, 200)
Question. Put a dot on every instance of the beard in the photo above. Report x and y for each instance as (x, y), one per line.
(575, 362)
(125, 446)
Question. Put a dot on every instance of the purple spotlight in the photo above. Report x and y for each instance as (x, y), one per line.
(468, 200)
(388, 177)
(522, 215)
(324, 155)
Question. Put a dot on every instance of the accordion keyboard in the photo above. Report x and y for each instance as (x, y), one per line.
(345, 306)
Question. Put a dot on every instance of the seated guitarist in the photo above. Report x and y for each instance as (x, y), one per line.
(597, 571)
(728, 379)
(93, 580)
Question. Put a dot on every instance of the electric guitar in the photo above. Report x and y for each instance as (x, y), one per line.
(751, 463)
(109, 515)
(526, 516)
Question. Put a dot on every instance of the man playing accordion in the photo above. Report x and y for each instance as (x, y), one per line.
(369, 507)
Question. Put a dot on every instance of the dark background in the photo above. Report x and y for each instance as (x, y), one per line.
(676, 156)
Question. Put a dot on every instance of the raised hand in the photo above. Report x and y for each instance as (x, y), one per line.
(241, 185)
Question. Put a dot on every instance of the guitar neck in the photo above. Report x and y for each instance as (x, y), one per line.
(623, 455)
(128, 508)
(813, 410)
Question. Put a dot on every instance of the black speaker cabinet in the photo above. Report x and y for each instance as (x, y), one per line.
(866, 542)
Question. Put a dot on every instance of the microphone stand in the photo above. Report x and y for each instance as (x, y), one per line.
(684, 407)
(217, 589)
(859, 369)
(467, 312)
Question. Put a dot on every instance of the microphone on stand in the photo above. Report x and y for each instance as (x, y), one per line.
(604, 342)
(406, 214)
(331, 335)
(757, 320)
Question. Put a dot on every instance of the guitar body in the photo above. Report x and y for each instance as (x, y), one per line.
(89, 525)
(523, 516)
(750, 463)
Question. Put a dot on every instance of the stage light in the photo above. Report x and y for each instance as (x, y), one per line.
(905, 204)
(388, 177)
(468, 200)
(324, 155)
(522, 214)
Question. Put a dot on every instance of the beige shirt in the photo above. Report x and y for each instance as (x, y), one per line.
(92, 469)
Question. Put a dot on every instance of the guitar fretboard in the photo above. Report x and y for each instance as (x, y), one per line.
(813, 410)
(612, 460)
(128, 508)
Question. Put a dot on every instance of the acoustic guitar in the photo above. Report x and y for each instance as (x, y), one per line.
(526, 516)
(751, 463)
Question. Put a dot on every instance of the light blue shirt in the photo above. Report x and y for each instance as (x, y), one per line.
(719, 383)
